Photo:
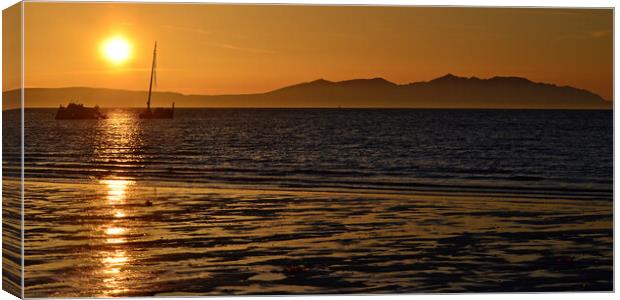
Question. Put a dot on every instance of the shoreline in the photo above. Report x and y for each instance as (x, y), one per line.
(422, 190)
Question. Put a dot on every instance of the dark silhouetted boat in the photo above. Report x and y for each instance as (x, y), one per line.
(157, 113)
(75, 111)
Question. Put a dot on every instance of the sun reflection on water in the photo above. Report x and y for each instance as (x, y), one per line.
(116, 189)
(116, 241)
(115, 275)
(114, 230)
(115, 262)
(116, 259)
(117, 141)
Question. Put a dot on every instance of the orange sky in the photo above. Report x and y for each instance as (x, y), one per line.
(221, 49)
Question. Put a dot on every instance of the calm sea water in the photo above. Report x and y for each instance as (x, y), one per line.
(552, 151)
(271, 201)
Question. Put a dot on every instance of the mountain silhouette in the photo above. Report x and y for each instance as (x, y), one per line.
(448, 91)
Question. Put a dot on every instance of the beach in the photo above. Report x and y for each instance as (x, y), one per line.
(103, 239)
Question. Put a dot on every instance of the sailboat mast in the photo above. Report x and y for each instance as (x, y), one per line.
(148, 102)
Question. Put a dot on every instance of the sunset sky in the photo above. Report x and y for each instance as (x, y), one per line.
(227, 49)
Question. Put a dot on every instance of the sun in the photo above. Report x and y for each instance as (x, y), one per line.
(117, 50)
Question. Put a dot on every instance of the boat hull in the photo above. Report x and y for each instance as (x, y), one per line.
(159, 113)
(79, 112)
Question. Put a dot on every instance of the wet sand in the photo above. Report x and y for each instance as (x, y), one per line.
(117, 237)
(11, 237)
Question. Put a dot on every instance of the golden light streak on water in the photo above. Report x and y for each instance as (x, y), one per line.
(114, 280)
(116, 190)
(114, 230)
(114, 263)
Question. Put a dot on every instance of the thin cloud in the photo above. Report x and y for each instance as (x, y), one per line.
(218, 44)
(240, 48)
(106, 71)
(186, 29)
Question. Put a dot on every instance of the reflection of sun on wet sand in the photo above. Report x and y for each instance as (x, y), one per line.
(115, 262)
(221, 241)
(117, 188)
(114, 281)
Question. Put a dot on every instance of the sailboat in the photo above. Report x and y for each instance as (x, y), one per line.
(157, 113)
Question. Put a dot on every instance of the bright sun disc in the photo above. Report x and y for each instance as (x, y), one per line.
(117, 50)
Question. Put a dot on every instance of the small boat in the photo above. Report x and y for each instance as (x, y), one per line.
(157, 113)
(75, 111)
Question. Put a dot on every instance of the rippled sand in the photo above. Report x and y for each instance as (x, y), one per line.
(11, 237)
(118, 237)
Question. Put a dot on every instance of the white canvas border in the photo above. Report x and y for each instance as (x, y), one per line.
(514, 3)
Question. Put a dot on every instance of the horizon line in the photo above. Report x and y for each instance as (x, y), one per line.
(447, 75)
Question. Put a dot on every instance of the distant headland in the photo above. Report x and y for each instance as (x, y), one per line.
(448, 91)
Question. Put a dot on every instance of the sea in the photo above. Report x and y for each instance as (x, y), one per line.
(315, 201)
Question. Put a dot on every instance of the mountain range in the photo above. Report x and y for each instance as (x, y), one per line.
(448, 91)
